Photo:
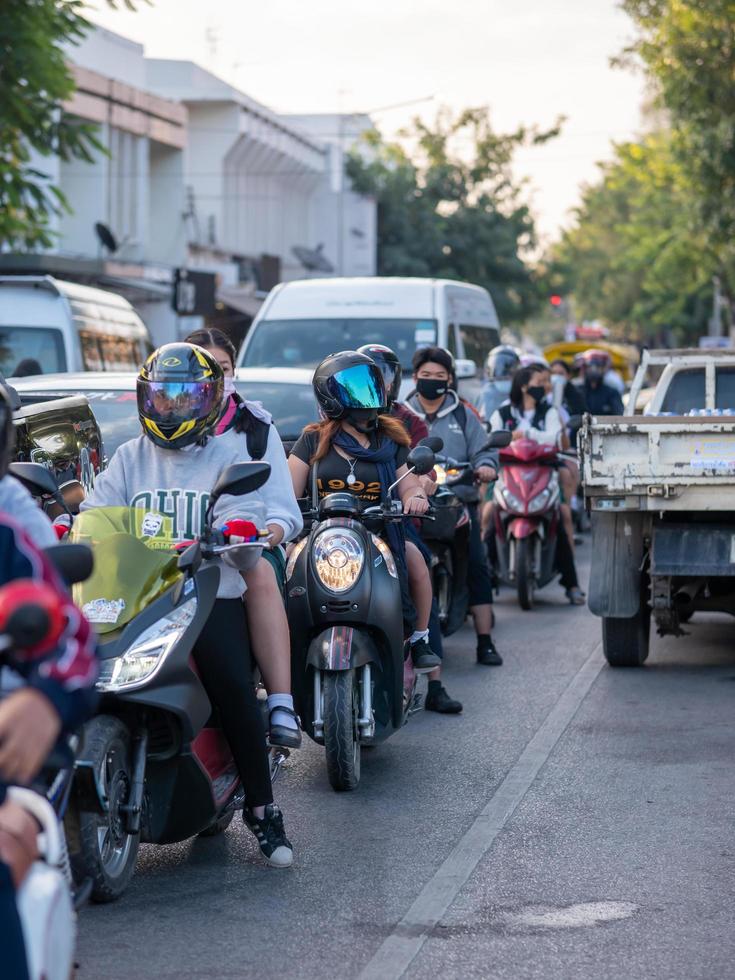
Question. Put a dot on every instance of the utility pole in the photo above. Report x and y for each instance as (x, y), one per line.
(715, 321)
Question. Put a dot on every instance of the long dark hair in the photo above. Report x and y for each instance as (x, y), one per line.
(520, 381)
(213, 337)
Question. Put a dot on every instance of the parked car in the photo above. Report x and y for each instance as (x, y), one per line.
(49, 326)
(285, 392)
(301, 322)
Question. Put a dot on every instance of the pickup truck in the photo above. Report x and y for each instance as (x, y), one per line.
(660, 488)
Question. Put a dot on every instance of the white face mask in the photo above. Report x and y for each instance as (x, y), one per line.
(558, 380)
(502, 385)
(229, 387)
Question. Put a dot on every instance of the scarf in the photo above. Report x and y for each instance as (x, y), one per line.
(384, 457)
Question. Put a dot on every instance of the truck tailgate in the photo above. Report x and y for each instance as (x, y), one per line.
(674, 462)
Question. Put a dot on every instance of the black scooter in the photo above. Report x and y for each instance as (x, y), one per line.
(155, 766)
(352, 677)
(448, 537)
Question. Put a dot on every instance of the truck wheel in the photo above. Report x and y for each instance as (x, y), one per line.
(341, 735)
(100, 847)
(525, 581)
(625, 641)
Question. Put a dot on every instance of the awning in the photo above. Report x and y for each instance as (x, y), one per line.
(242, 299)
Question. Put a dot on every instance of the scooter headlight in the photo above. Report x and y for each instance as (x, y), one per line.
(512, 501)
(294, 557)
(540, 501)
(141, 661)
(338, 558)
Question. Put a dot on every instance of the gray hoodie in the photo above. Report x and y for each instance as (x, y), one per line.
(461, 442)
(20, 505)
(177, 483)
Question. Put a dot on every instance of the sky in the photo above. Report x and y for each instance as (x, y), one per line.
(528, 61)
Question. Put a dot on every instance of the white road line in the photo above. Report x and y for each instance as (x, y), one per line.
(398, 951)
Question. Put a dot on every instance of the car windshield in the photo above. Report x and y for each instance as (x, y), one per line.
(42, 345)
(304, 343)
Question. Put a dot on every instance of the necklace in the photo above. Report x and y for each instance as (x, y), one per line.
(351, 478)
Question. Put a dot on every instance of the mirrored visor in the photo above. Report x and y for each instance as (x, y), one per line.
(169, 401)
(359, 386)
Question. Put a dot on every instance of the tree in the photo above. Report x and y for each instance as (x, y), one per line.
(687, 48)
(633, 256)
(35, 82)
(450, 212)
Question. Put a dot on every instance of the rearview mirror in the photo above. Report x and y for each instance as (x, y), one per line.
(499, 439)
(434, 443)
(465, 368)
(73, 562)
(241, 478)
(35, 477)
(421, 460)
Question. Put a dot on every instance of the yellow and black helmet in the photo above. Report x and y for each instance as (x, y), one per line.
(180, 391)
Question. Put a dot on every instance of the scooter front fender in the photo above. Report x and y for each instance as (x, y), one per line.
(341, 648)
(522, 527)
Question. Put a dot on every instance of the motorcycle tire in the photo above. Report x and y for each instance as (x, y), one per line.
(525, 581)
(341, 735)
(218, 826)
(100, 848)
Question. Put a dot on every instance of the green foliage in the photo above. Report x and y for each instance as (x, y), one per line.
(688, 49)
(35, 81)
(633, 257)
(452, 208)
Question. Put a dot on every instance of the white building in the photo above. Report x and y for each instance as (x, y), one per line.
(201, 177)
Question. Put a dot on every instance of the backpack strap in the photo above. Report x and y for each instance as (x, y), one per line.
(256, 432)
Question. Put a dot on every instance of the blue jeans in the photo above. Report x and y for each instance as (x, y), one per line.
(13, 955)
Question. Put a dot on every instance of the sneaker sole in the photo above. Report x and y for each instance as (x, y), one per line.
(426, 670)
(276, 864)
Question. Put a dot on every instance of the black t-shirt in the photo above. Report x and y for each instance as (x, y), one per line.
(334, 469)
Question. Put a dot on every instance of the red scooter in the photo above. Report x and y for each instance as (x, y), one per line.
(527, 516)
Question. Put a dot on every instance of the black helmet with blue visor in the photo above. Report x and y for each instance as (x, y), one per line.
(350, 386)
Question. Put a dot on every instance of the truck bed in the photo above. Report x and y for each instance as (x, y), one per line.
(659, 463)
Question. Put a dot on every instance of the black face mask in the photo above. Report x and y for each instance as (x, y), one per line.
(365, 420)
(537, 392)
(431, 389)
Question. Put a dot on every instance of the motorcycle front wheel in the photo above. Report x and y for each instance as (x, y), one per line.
(100, 848)
(525, 579)
(341, 735)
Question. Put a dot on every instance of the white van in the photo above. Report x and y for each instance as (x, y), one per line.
(301, 322)
(62, 326)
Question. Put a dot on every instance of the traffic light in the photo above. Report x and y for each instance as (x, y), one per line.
(555, 299)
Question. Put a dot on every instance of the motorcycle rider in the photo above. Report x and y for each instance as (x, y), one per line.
(502, 364)
(57, 696)
(437, 698)
(464, 437)
(358, 449)
(171, 468)
(528, 415)
(599, 397)
(266, 580)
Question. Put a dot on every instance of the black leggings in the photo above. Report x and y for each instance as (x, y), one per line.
(222, 655)
(565, 558)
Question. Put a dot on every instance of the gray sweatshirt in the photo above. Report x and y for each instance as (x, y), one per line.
(177, 483)
(461, 443)
(20, 505)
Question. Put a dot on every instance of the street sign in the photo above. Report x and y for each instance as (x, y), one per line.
(194, 292)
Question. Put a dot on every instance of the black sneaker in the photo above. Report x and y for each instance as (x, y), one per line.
(271, 836)
(438, 700)
(284, 735)
(423, 657)
(487, 655)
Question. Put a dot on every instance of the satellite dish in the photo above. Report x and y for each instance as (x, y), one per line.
(105, 237)
(313, 259)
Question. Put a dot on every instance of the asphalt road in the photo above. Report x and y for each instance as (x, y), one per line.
(573, 822)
